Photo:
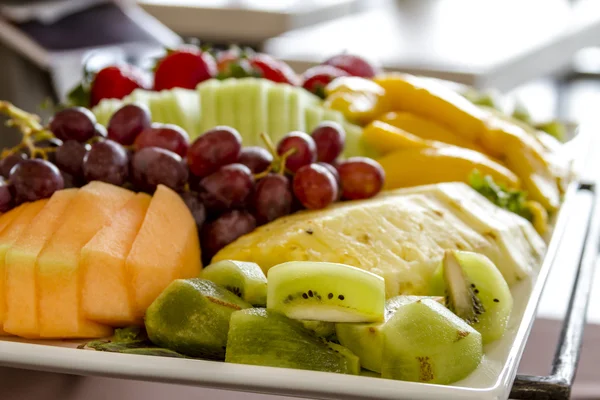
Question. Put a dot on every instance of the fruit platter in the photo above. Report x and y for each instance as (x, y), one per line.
(225, 221)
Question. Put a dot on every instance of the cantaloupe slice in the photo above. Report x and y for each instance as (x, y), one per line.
(166, 248)
(9, 235)
(8, 217)
(57, 267)
(21, 292)
(106, 295)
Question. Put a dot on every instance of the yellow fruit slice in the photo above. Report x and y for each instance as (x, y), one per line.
(414, 167)
(427, 129)
(107, 292)
(432, 100)
(386, 138)
(58, 272)
(21, 289)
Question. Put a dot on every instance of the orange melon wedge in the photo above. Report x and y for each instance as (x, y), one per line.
(57, 267)
(9, 235)
(21, 291)
(166, 248)
(106, 296)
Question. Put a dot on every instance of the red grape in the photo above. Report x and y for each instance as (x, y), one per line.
(166, 136)
(9, 162)
(256, 158)
(305, 150)
(361, 178)
(45, 144)
(70, 181)
(354, 65)
(272, 198)
(330, 139)
(227, 188)
(101, 131)
(215, 148)
(69, 157)
(315, 186)
(192, 200)
(6, 197)
(35, 179)
(76, 123)
(224, 230)
(106, 161)
(332, 170)
(153, 166)
(128, 122)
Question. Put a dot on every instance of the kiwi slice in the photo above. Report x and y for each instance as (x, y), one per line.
(323, 291)
(191, 317)
(260, 337)
(425, 342)
(366, 340)
(245, 279)
(475, 291)
(320, 328)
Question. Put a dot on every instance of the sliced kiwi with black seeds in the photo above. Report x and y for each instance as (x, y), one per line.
(191, 317)
(268, 338)
(476, 291)
(323, 291)
(425, 342)
(244, 279)
(320, 328)
(366, 340)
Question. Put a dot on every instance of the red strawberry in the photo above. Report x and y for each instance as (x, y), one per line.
(116, 82)
(316, 78)
(273, 69)
(354, 65)
(184, 68)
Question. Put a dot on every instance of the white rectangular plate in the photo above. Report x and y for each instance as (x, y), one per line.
(492, 380)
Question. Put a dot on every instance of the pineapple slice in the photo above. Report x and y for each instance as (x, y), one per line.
(399, 235)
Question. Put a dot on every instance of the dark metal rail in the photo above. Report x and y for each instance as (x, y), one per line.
(558, 385)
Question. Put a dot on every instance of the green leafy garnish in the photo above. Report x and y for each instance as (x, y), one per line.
(554, 128)
(510, 199)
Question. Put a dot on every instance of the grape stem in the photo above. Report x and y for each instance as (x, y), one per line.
(30, 127)
(278, 161)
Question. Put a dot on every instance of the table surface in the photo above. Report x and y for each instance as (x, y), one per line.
(494, 43)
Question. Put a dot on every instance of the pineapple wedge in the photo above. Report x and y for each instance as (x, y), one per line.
(399, 235)
(521, 248)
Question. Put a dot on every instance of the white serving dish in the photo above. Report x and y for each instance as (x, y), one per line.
(492, 380)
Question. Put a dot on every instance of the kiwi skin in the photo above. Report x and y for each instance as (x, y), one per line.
(476, 291)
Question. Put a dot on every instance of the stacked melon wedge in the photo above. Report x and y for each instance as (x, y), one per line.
(250, 105)
(89, 259)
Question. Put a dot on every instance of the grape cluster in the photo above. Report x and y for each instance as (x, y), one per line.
(242, 188)
(229, 189)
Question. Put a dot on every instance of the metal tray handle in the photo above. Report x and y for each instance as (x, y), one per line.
(558, 385)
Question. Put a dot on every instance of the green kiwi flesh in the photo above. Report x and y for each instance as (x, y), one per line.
(425, 342)
(476, 291)
(245, 279)
(191, 317)
(366, 340)
(323, 291)
(320, 328)
(267, 338)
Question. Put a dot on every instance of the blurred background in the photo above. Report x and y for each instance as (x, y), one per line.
(544, 52)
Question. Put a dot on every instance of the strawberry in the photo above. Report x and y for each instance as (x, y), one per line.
(113, 82)
(184, 68)
(233, 63)
(116, 82)
(316, 78)
(273, 69)
(354, 65)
